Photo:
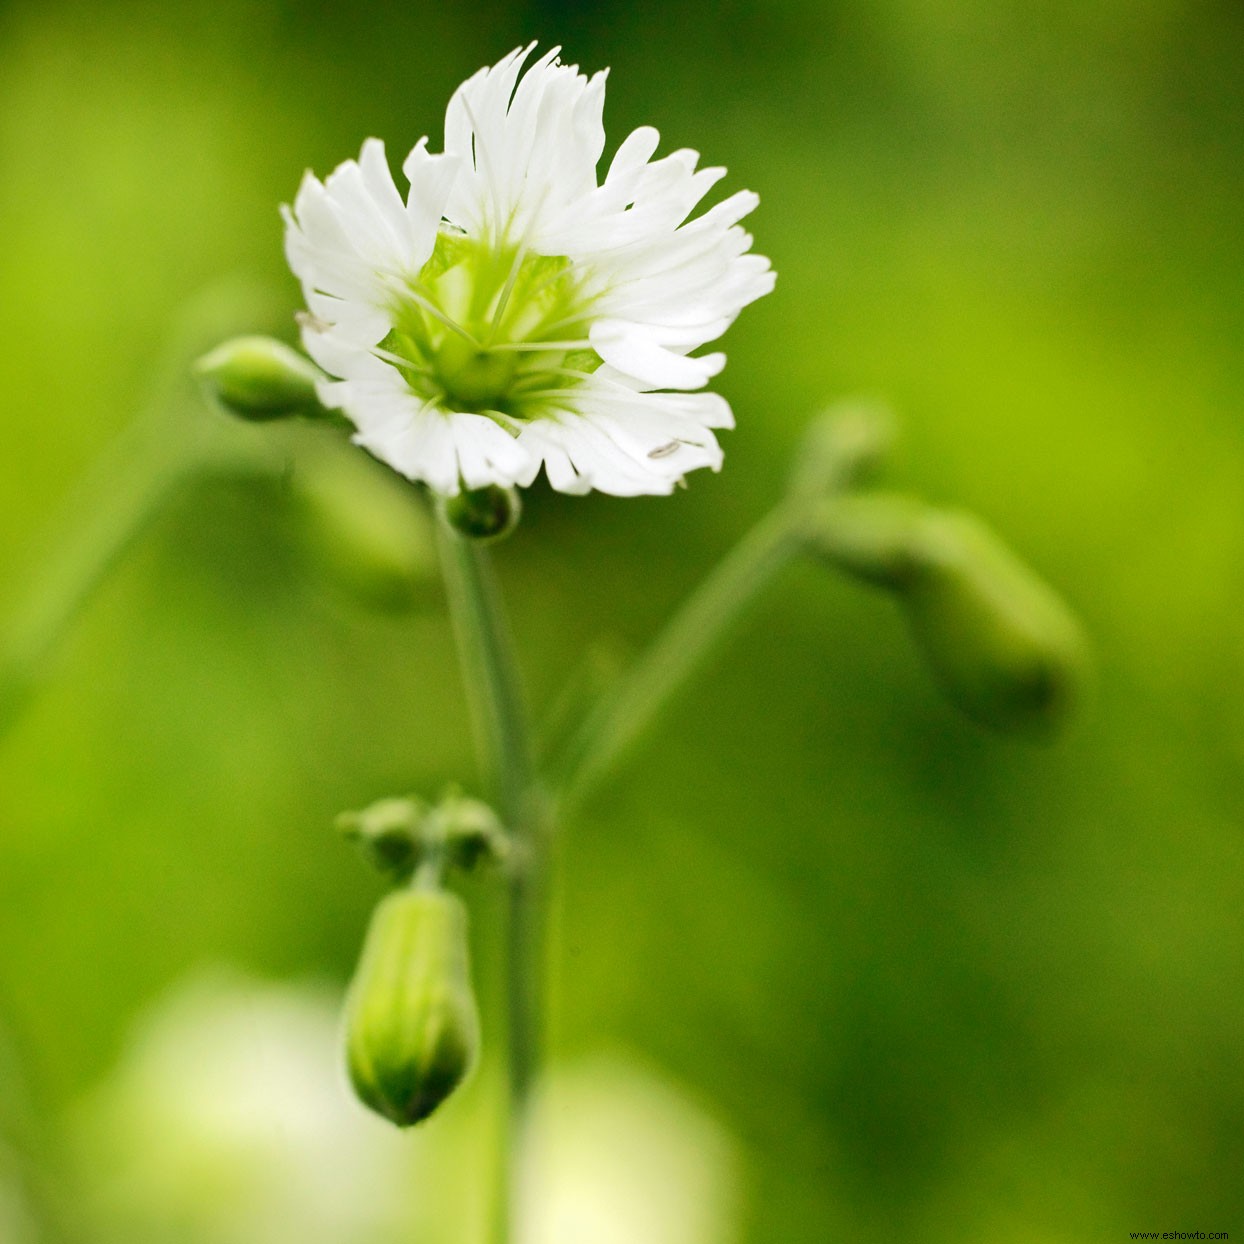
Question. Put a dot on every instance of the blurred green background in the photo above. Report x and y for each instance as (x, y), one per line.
(935, 985)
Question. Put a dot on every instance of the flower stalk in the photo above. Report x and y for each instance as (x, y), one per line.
(689, 639)
(499, 718)
(109, 512)
(494, 693)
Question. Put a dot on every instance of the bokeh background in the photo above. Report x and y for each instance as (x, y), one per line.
(909, 980)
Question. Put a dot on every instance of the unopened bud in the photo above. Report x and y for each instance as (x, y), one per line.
(1007, 649)
(260, 378)
(483, 513)
(364, 528)
(471, 832)
(412, 1030)
(390, 833)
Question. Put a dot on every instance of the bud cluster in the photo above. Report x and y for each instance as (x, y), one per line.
(412, 1030)
(403, 834)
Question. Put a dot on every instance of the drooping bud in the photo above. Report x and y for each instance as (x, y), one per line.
(412, 1030)
(364, 528)
(483, 513)
(1007, 649)
(260, 379)
(1004, 646)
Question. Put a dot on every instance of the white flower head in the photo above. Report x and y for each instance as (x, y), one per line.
(514, 310)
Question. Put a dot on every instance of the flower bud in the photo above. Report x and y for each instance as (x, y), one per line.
(412, 1032)
(483, 513)
(1006, 648)
(471, 832)
(389, 833)
(259, 378)
(364, 529)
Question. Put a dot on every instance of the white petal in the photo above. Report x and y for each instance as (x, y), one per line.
(628, 348)
(432, 179)
(487, 454)
(561, 473)
(351, 236)
(338, 355)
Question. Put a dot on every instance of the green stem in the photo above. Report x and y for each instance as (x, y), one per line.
(170, 438)
(105, 515)
(103, 519)
(490, 673)
(621, 718)
(494, 694)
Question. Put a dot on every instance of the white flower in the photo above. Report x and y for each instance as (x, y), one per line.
(228, 1121)
(515, 311)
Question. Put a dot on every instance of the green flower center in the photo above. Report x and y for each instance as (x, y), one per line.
(492, 330)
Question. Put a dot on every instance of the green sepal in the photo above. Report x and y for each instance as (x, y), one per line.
(486, 514)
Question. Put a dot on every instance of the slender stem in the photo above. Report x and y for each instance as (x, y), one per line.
(103, 519)
(109, 510)
(489, 671)
(611, 729)
(690, 637)
(495, 697)
(123, 492)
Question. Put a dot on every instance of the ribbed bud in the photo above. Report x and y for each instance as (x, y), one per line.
(1005, 647)
(260, 379)
(483, 513)
(412, 1031)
